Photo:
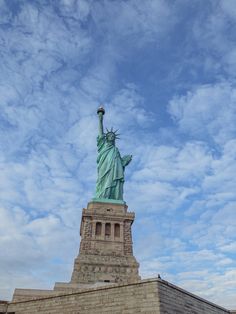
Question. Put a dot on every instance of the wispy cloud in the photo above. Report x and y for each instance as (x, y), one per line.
(208, 110)
(165, 74)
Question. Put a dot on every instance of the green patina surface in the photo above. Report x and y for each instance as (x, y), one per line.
(110, 165)
(106, 200)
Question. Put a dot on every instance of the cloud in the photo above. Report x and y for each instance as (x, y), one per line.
(208, 281)
(60, 61)
(229, 8)
(27, 245)
(215, 37)
(192, 227)
(192, 274)
(45, 183)
(208, 109)
(132, 20)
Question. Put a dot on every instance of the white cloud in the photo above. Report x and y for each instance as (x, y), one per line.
(26, 245)
(166, 163)
(208, 109)
(214, 35)
(134, 20)
(192, 274)
(212, 286)
(58, 63)
(49, 185)
(228, 7)
(195, 232)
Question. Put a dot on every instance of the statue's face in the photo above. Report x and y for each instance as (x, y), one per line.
(111, 137)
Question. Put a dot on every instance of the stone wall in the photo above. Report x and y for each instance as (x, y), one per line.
(153, 296)
(3, 306)
(174, 300)
(132, 298)
(31, 294)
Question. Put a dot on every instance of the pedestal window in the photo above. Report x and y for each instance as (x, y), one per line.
(98, 230)
(107, 230)
(117, 230)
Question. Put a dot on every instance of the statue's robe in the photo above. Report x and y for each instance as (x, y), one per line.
(110, 179)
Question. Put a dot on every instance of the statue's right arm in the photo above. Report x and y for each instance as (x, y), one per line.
(100, 125)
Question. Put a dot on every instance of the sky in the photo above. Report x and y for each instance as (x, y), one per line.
(164, 71)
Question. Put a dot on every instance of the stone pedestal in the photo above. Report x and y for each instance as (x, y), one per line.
(106, 248)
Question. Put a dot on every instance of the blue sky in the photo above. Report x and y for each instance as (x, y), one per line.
(165, 73)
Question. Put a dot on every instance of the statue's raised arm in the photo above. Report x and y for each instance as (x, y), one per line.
(100, 113)
(110, 165)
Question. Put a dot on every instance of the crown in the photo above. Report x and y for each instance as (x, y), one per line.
(111, 131)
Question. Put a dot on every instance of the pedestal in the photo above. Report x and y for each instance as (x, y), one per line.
(106, 248)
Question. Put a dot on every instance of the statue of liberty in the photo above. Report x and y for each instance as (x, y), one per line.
(110, 165)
